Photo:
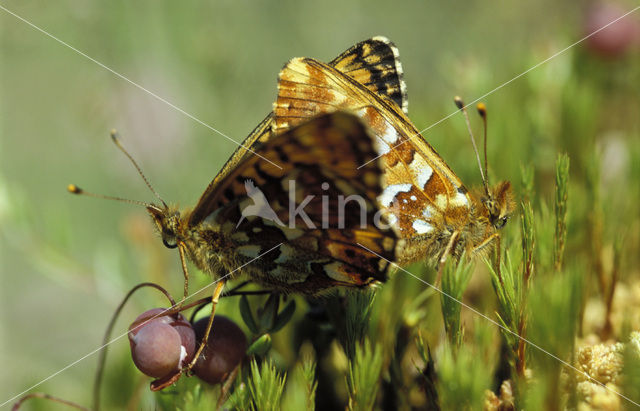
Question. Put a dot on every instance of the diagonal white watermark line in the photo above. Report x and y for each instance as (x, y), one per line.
(122, 335)
(173, 106)
(506, 83)
(504, 328)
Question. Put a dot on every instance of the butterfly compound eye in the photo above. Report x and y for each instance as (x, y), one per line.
(169, 243)
(169, 240)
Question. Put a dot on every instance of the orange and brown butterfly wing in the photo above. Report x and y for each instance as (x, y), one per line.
(373, 62)
(420, 190)
(321, 158)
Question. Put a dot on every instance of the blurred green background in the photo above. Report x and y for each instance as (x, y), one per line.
(66, 261)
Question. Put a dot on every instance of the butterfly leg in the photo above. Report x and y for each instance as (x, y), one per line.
(214, 301)
(185, 271)
(495, 237)
(447, 252)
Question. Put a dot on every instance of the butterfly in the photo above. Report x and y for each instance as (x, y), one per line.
(428, 204)
(292, 214)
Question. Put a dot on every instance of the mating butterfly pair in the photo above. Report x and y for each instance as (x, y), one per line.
(385, 163)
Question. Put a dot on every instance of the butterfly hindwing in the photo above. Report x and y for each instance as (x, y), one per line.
(375, 63)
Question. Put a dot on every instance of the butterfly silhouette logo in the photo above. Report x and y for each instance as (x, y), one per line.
(260, 207)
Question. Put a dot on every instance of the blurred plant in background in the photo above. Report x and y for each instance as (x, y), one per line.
(566, 135)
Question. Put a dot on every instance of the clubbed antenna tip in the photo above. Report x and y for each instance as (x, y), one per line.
(458, 102)
(74, 189)
(482, 110)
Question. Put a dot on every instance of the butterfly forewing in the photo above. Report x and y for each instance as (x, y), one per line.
(319, 161)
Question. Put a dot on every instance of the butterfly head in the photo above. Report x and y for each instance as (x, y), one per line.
(499, 204)
(167, 221)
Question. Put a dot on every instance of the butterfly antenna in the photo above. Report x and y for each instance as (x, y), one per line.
(482, 110)
(459, 103)
(116, 140)
(74, 189)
